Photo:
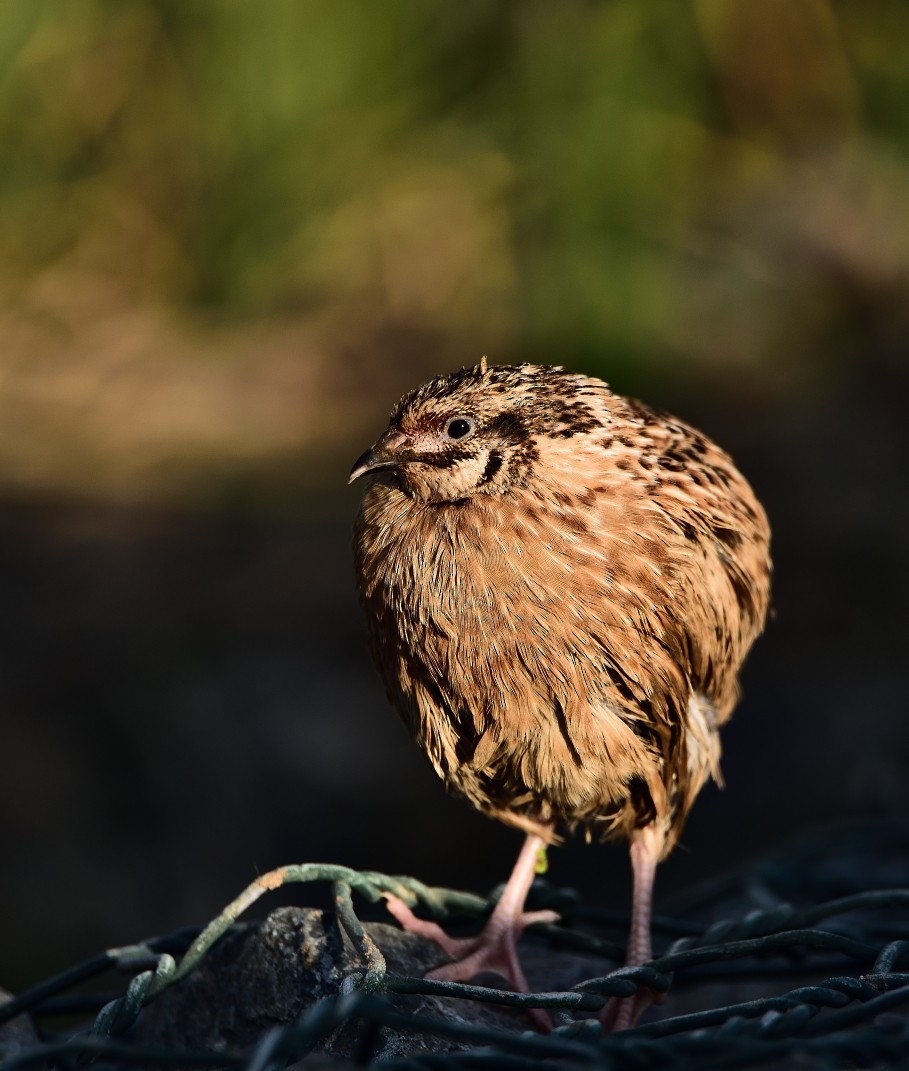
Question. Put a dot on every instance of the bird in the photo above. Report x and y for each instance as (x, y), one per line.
(561, 585)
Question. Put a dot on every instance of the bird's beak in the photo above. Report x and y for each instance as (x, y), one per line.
(368, 462)
(382, 455)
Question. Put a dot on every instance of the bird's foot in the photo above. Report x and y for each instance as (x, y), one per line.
(494, 949)
(621, 1013)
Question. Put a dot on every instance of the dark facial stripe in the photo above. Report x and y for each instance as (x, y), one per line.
(492, 467)
(507, 426)
(445, 460)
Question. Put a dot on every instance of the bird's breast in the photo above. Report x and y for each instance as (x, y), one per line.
(492, 598)
(445, 572)
(494, 643)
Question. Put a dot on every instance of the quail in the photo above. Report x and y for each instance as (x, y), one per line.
(561, 585)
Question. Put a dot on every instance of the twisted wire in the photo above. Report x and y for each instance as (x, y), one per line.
(858, 1016)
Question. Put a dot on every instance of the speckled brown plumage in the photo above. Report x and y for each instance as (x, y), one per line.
(561, 586)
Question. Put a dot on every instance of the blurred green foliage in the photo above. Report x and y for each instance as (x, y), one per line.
(639, 187)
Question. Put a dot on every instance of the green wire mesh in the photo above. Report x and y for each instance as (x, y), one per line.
(856, 1014)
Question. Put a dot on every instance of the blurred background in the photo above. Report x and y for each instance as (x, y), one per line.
(231, 235)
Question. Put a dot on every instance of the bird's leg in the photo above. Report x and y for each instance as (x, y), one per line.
(495, 948)
(620, 1013)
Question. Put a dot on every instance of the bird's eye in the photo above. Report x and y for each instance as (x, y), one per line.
(460, 427)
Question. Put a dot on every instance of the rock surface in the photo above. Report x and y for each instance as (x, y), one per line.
(16, 1036)
(267, 974)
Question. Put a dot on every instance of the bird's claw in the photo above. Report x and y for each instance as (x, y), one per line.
(494, 949)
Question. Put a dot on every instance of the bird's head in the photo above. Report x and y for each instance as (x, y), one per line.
(476, 431)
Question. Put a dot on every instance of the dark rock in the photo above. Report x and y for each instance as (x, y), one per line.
(268, 974)
(18, 1035)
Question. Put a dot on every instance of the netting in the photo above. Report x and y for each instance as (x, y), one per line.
(831, 978)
